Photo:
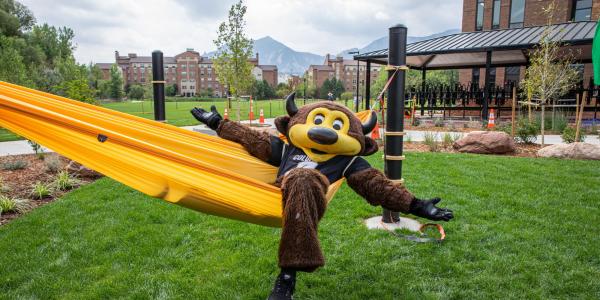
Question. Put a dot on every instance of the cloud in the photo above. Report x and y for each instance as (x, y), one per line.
(318, 26)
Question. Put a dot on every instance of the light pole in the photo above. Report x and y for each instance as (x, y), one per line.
(357, 78)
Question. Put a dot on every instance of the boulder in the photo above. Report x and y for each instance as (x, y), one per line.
(573, 151)
(485, 142)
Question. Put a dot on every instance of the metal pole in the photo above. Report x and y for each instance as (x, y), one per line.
(395, 112)
(423, 80)
(304, 89)
(368, 86)
(486, 88)
(158, 84)
(357, 83)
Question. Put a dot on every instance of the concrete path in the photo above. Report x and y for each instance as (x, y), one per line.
(22, 147)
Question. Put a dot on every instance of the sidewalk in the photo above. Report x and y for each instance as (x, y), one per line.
(22, 147)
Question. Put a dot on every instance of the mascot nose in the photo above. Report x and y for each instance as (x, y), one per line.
(323, 136)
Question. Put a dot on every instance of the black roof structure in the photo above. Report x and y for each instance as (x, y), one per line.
(508, 47)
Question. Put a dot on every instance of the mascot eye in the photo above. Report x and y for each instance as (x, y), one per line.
(338, 124)
(319, 119)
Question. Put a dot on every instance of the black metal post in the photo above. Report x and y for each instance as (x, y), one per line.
(304, 89)
(423, 81)
(395, 112)
(158, 83)
(368, 86)
(357, 84)
(486, 86)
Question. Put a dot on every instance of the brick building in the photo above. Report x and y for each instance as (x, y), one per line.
(483, 15)
(192, 73)
(341, 69)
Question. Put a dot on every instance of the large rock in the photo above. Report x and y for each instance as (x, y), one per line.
(485, 142)
(573, 150)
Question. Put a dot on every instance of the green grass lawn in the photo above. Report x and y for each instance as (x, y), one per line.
(524, 228)
(6, 135)
(178, 113)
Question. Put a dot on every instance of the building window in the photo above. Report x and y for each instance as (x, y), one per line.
(475, 77)
(479, 15)
(512, 74)
(496, 14)
(517, 13)
(582, 10)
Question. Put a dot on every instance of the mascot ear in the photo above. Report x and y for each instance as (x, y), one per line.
(282, 124)
(370, 146)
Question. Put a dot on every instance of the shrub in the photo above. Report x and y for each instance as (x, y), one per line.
(16, 164)
(53, 164)
(430, 139)
(408, 139)
(447, 139)
(526, 132)
(64, 181)
(14, 205)
(37, 148)
(568, 135)
(3, 187)
(438, 122)
(41, 190)
(457, 136)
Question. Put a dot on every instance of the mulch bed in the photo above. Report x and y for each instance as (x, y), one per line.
(523, 150)
(19, 183)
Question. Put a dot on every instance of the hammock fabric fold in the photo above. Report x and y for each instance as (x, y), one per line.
(194, 170)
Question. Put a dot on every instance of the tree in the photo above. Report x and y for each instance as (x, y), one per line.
(262, 90)
(115, 83)
(136, 91)
(550, 74)
(234, 50)
(336, 87)
(171, 90)
(13, 68)
(15, 18)
(283, 89)
(78, 89)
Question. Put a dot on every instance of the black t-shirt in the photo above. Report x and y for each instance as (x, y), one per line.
(288, 157)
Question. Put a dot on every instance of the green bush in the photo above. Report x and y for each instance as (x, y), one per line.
(526, 132)
(438, 122)
(136, 91)
(41, 190)
(14, 205)
(64, 181)
(568, 135)
(13, 165)
(53, 164)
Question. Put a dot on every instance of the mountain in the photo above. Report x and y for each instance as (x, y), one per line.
(287, 60)
(382, 43)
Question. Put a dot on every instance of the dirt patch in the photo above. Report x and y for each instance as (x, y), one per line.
(523, 150)
(18, 183)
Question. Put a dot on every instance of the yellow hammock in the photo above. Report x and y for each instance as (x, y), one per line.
(194, 170)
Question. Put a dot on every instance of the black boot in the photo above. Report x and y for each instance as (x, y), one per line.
(284, 286)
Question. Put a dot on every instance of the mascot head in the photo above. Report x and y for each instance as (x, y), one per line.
(324, 130)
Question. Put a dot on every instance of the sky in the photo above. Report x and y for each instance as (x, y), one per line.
(317, 26)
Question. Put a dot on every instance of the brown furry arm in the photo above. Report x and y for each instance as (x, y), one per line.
(377, 189)
(257, 143)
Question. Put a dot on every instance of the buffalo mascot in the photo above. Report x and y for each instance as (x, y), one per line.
(325, 143)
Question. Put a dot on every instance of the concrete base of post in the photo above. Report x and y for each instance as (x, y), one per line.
(404, 223)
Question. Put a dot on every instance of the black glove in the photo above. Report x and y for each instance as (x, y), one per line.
(427, 209)
(211, 119)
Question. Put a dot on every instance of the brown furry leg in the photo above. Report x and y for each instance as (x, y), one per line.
(304, 204)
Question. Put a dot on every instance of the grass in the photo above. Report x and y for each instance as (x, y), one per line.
(523, 229)
(7, 136)
(178, 113)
